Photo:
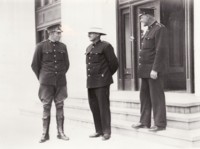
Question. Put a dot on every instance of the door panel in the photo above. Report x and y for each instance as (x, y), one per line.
(172, 15)
(174, 20)
(126, 76)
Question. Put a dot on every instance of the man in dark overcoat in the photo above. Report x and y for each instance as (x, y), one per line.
(151, 68)
(101, 65)
(50, 64)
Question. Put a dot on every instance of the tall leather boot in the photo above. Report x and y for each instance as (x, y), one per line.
(60, 123)
(45, 134)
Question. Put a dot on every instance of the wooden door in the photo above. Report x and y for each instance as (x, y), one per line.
(172, 16)
(176, 15)
(126, 52)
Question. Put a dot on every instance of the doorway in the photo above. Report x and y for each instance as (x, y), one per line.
(172, 15)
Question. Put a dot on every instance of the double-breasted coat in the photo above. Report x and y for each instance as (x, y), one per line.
(101, 64)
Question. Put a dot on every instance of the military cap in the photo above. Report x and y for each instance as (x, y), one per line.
(96, 30)
(144, 11)
(54, 28)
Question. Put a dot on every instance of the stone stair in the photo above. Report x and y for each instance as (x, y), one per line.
(183, 116)
(174, 120)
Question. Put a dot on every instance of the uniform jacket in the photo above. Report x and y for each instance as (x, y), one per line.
(50, 63)
(101, 64)
(153, 50)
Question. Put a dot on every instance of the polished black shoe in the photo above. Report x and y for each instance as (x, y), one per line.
(95, 135)
(44, 138)
(139, 125)
(106, 137)
(156, 128)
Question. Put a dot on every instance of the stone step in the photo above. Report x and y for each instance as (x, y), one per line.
(174, 120)
(171, 136)
(183, 108)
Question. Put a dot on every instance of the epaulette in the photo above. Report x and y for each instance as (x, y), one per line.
(105, 42)
(159, 24)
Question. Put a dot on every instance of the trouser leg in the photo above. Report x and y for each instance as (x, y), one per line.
(145, 107)
(158, 102)
(103, 94)
(93, 103)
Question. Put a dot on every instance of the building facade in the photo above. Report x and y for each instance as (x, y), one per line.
(26, 25)
(120, 20)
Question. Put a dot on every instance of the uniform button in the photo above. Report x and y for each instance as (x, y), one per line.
(54, 55)
(54, 50)
(56, 72)
(88, 63)
(139, 63)
(102, 75)
(56, 67)
(88, 75)
(89, 69)
(89, 57)
(55, 61)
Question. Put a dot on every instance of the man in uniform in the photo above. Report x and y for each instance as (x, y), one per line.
(50, 64)
(101, 65)
(150, 70)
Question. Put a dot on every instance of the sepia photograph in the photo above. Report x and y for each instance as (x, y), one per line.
(100, 74)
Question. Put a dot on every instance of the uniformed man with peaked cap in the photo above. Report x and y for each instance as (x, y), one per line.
(152, 55)
(101, 65)
(50, 64)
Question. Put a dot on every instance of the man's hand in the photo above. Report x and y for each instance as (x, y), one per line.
(154, 74)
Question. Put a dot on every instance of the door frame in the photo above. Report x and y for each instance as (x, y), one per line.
(134, 55)
(189, 46)
(121, 76)
(189, 49)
